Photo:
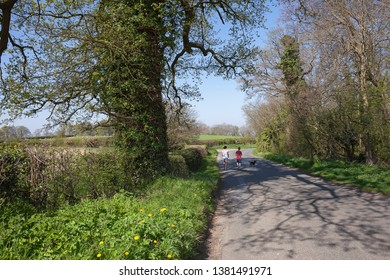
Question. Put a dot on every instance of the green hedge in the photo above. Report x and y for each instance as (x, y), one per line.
(13, 163)
(178, 166)
(168, 220)
(193, 158)
(48, 177)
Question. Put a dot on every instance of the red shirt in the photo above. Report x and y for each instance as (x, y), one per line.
(238, 154)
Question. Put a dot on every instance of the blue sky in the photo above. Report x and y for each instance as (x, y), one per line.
(222, 100)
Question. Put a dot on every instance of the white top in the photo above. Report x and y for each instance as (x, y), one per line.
(225, 154)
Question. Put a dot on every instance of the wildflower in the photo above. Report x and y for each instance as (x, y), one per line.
(141, 210)
(162, 210)
(155, 242)
(150, 215)
(126, 253)
(169, 256)
(101, 242)
(99, 255)
(172, 225)
(136, 237)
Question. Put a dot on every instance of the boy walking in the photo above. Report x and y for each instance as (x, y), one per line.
(225, 157)
(238, 157)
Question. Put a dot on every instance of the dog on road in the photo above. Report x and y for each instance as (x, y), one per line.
(252, 163)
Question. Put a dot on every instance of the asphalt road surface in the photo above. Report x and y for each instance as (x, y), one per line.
(269, 211)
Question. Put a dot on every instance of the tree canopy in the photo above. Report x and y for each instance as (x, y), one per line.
(123, 59)
(333, 56)
(52, 54)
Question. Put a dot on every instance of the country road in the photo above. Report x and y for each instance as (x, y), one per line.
(269, 211)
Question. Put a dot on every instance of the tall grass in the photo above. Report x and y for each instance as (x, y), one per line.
(368, 178)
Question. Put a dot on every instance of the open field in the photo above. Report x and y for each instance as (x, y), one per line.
(205, 137)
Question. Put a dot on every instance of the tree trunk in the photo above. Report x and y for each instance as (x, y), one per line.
(362, 51)
(143, 132)
(133, 92)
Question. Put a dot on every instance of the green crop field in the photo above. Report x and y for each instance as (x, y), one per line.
(206, 137)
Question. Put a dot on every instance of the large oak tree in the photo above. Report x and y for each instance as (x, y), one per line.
(122, 59)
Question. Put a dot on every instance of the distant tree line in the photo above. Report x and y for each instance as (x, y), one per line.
(182, 128)
(83, 129)
(222, 129)
(13, 132)
(78, 129)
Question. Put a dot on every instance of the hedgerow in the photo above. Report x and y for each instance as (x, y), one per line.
(166, 221)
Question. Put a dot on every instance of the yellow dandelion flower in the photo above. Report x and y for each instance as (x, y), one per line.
(126, 253)
(141, 210)
(99, 255)
(150, 215)
(162, 210)
(136, 237)
(155, 241)
(172, 225)
(169, 256)
(101, 242)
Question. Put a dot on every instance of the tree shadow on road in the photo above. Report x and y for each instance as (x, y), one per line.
(283, 213)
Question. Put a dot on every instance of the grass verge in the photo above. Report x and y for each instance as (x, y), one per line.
(166, 220)
(365, 177)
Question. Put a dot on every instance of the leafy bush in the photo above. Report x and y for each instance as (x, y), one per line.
(201, 148)
(178, 166)
(12, 165)
(193, 158)
(101, 174)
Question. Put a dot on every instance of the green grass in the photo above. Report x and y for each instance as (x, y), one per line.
(206, 137)
(165, 220)
(233, 146)
(365, 177)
